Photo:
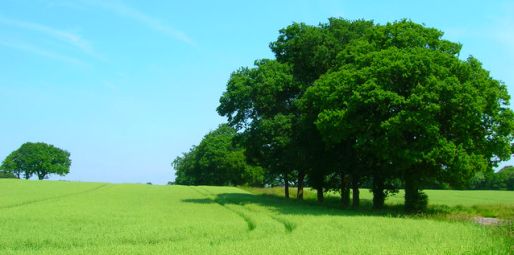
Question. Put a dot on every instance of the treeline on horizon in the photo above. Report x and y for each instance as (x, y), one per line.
(349, 104)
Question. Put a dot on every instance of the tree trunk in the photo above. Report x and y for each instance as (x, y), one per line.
(301, 178)
(319, 194)
(355, 191)
(415, 200)
(286, 185)
(345, 190)
(378, 192)
(41, 176)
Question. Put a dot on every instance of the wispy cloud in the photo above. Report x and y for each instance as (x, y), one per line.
(27, 47)
(124, 10)
(64, 36)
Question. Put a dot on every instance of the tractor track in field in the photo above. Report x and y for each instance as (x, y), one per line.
(53, 198)
(249, 221)
(288, 225)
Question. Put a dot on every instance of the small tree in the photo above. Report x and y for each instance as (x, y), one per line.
(38, 159)
(217, 160)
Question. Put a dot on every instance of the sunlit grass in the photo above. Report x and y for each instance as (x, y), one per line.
(93, 218)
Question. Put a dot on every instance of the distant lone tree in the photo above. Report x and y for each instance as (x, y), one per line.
(38, 159)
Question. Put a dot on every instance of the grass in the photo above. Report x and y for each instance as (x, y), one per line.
(46, 217)
(449, 203)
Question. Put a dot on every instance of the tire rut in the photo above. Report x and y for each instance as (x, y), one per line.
(288, 225)
(53, 198)
(249, 221)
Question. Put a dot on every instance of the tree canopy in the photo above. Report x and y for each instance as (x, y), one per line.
(348, 101)
(39, 159)
(217, 160)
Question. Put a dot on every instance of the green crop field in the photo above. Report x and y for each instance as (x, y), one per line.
(47, 217)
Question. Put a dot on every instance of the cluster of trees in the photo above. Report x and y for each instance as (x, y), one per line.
(217, 160)
(501, 180)
(39, 159)
(348, 104)
(350, 101)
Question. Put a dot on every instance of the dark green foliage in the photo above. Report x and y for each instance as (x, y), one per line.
(392, 104)
(185, 168)
(501, 180)
(506, 177)
(259, 102)
(38, 159)
(217, 160)
(4, 174)
(413, 108)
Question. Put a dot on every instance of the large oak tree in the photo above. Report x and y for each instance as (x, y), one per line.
(38, 159)
(410, 104)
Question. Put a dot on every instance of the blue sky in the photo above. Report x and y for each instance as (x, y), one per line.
(126, 86)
